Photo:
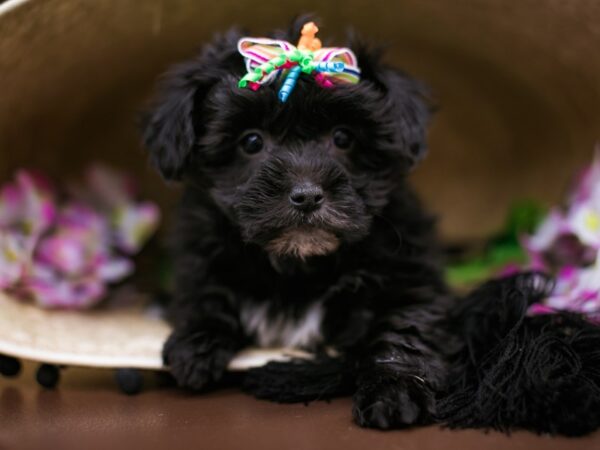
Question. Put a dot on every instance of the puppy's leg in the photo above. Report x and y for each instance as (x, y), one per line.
(402, 369)
(206, 336)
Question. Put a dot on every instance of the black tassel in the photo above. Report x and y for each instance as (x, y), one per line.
(539, 373)
(301, 380)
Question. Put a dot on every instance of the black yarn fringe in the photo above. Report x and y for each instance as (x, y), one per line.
(538, 373)
(301, 380)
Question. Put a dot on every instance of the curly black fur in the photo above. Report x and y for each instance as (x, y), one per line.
(376, 293)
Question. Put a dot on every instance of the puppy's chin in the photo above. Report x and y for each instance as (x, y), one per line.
(303, 242)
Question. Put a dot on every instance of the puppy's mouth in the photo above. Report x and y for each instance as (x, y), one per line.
(303, 242)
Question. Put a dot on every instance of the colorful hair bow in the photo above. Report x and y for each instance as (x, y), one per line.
(268, 59)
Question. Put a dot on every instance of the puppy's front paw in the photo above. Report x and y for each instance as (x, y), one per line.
(393, 402)
(197, 358)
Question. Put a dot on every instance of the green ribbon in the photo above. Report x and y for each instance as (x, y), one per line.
(302, 58)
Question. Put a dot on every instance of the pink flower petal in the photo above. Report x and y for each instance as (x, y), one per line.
(587, 186)
(13, 258)
(567, 273)
(111, 188)
(550, 229)
(11, 201)
(67, 294)
(584, 220)
(65, 253)
(78, 215)
(134, 224)
(38, 202)
(114, 270)
(86, 225)
(539, 308)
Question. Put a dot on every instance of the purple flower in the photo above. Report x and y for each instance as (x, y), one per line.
(65, 256)
(568, 244)
(115, 194)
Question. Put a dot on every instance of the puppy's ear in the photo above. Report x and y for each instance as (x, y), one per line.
(413, 111)
(168, 127)
(174, 122)
(407, 100)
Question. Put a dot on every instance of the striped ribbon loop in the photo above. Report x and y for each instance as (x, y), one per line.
(268, 59)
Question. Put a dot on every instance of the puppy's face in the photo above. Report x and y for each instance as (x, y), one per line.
(298, 178)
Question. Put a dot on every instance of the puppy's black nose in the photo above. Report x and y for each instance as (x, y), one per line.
(306, 197)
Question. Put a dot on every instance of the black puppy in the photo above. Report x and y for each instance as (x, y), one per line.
(297, 227)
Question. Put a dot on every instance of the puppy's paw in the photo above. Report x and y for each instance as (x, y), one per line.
(393, 402)
(197, 359)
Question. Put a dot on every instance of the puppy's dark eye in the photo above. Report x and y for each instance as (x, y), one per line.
(343, 138)
(252, 143)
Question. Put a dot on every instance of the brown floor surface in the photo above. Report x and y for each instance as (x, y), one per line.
(88, 412)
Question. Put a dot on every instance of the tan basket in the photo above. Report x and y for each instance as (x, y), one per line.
(518, 84)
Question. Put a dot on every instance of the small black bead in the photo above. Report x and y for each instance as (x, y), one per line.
(130, 381)
(47, 376)
(9, 366)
